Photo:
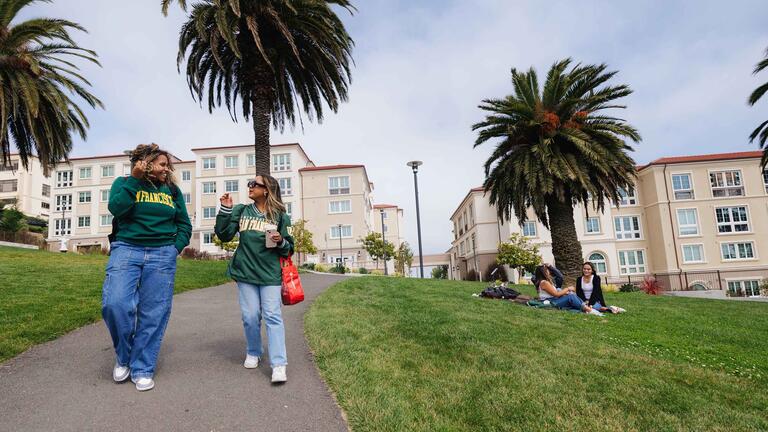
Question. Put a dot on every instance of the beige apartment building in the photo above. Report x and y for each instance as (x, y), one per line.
(695, 222)
(388, 218)
(28, 189)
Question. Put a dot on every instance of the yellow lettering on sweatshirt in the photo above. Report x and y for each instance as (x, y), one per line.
(155, 197)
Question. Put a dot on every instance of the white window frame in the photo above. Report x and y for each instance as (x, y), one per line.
(631, 232)
(681, 226)
(281, 162)
(126, 169)
(742, 284)
(737, 251)
(208, 234)
(285, 191)
(624, 268)
(339, 190)
(46, 190)
(529, 224)
(339, 202)
(726, 187)
(288, 208)
(732, 223)
(107, 169)
(693, 261)
(186, 175)
(209, 213)
(62, 227)
(228, 183)
(250, 159)
(765, 179)
(63, 202)
(628, 200)
(108, 217)
(208, 163)
(81, 219)
(102, 197)
(209, 191)
(228, 159)
(187, 198)
(89, 170)
(64, 179)
(343, 228)
(682, 191)
(597, 263)
(84, 194)
(587, 226)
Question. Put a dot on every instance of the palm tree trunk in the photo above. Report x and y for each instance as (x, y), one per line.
(262, 109)
(565, 243)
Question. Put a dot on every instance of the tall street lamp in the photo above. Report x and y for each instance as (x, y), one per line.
(383, 237)
(341, 253)
(415, 166)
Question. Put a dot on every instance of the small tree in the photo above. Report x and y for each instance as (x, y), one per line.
(403, 258)
(377, 248)
(519, 254)
(302, 239)
(12, 220)
(440, 272)
(229, 246)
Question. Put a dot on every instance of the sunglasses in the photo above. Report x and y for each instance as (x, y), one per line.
(253, 183)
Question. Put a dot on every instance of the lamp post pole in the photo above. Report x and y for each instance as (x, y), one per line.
(415, 166)
(384, 238)
(341, 253)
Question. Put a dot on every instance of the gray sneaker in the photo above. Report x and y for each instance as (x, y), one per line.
(278, 374)
(120, 373)
(144, 383)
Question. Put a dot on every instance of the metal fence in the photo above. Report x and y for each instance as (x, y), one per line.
(736, 282)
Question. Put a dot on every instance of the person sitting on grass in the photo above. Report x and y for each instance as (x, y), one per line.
(561, 298)
(589, 290)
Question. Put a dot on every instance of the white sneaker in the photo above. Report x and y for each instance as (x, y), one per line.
(144, 383)
(595, 312)
(120, 373)
(278, 374)
(251, 362)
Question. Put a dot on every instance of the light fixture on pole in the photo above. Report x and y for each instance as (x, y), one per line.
(341, 253)
(415, 166)
(384, 238)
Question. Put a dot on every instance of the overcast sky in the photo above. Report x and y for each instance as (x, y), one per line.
(423, 66)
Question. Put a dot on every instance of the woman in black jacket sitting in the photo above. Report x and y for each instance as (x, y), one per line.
(588, 287)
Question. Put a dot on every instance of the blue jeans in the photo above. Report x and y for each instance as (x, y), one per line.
(257, 302)
(568, 301)
(136, 303)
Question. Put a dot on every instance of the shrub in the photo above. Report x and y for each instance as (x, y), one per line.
(610, 288)
(322, 268)
(376, 272)
(192, 253)
(308, 266)
(628, 287)
(339, 269)
(501, 273)
(362, 270)
(651, 286)
(440, 272)
(472, 275)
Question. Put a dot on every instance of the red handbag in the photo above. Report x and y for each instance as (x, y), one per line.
(292, 291)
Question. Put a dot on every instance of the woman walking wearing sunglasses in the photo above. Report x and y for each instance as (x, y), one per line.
(264, 229)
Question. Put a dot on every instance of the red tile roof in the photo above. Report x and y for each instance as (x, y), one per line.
(330, 167)
(383, 206)
(704, 158)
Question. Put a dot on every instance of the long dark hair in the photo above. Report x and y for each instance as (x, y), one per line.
(541, 274)
(592, 266)
(148, 153)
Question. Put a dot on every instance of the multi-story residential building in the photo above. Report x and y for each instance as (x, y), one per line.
(696, 222)
(28, 189)
(338, 209)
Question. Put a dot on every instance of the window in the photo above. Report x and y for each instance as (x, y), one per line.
(104, 195)
(281, 162)
(83, 221)
(250, 159)
(86, 173)
(231, 162)
(681, 185)
(208, 238)
(107, 170)
(344, 206)
(472, 218)
(209, 188)
(209, 212)
(627, 227)
(385, 228)
(765, 179)
(687, 222)
(63, 179)
(346, 231)
(285, 186)
(384, 215)
(230, 186)
(529, 229)
(338, 185)
(466, 221)
(598, 260)
(593, 225)
(126, 169)
(84, 197)
(693, 253)
(186, 175)
(461, 248)
(726, 183)
(737, 251)
(209, 163)
(744, 287)
(45, 205)
(289, 209)
(474, 245)
(627, 198)
(9, 185)
(14, 166)
(105, 220)
(62, 227)
(732, 219)
(631, 262)
(46, 190)
(63, 202)
(187, 198)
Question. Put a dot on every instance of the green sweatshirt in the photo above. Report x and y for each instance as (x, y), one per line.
(148, 215)
(253, 262)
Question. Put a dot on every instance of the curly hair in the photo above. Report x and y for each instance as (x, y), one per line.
(148, 153)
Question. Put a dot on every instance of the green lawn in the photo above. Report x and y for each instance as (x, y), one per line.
(44, 295)
(405, 354)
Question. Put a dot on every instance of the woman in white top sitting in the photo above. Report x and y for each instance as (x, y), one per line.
(562, 298)
(588, 287)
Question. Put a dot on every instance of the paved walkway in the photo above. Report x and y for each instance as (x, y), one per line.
(201, 385)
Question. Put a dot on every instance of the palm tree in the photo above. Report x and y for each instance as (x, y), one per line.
(280, 57)
(762, 130)
(37, 79)
(557, 149)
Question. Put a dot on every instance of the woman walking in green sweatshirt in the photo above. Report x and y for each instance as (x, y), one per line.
(264, 229)
(152, 229)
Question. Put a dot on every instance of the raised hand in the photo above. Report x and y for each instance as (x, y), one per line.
(139, 170)
(226, 200)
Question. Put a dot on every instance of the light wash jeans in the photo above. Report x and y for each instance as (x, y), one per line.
(257, 301)
(569, 301)
(136, 303)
